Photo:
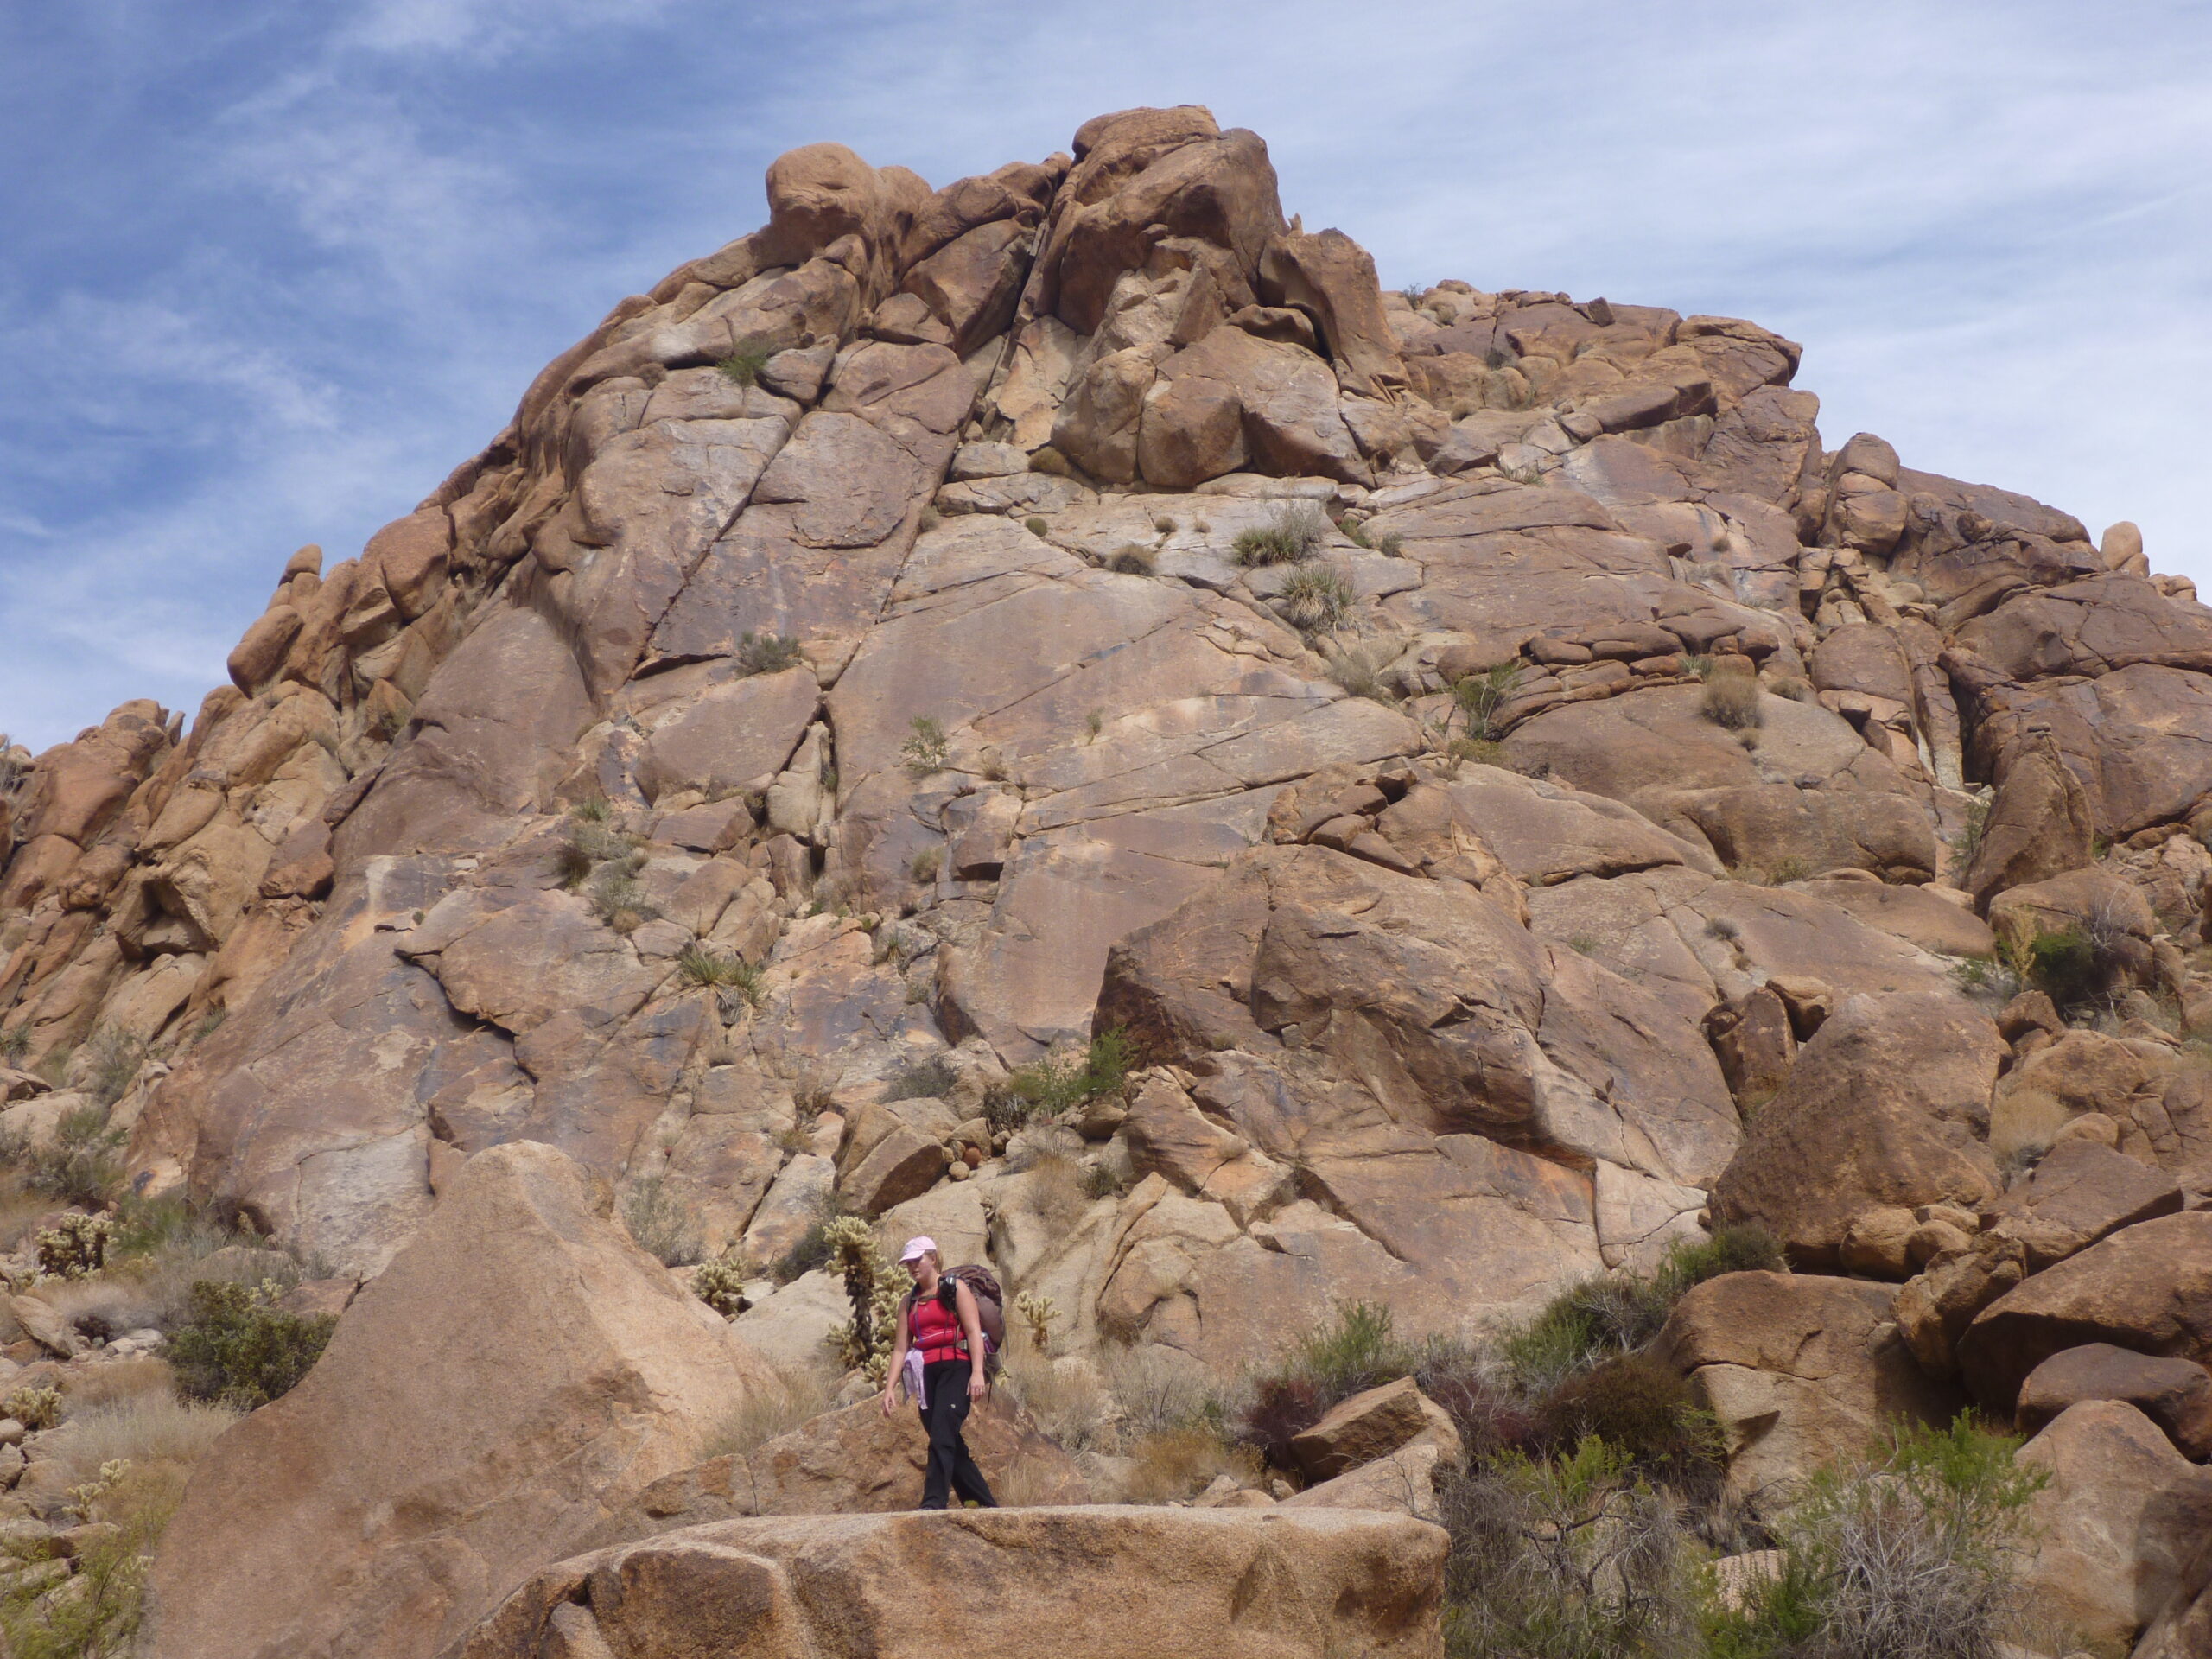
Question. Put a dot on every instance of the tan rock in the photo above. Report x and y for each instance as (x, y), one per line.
(2147, 1287)
(1883, 1108)
(2118, 1525)
(1934, 1308)
(1374, 1424)
(856, 1461)
(1339, 1580)
(564, 1372)
(1799, 1369)
(2080, 1193)
(1403, 1481)
(2175, 1394)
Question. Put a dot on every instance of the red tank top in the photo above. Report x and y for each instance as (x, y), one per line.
(934, 1329)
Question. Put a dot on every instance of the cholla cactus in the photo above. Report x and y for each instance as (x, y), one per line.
(864, 1342)
(1038, 1312)
(720, 1286)
(82, 1499)
(35, 1408)
(76, 1246)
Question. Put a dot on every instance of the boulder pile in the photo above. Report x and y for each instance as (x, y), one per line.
(1055, 713)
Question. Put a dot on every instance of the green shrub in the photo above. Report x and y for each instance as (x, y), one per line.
(767, 653)
(115, 1056)
(1570, 1559)
(239, 1349)
(702, 966)
(95, 1611)
(592, 809)
(744, 364)
(1913, 1555)
(1036, 527)
(1054, 1084)
(1390, 544)
(1481, 695)
(1643, 1410)
(81, 1164)
(661, 1223)
(926, 747)
(2063, 964)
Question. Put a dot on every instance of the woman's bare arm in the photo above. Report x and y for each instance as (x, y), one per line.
(892, 1377)
(971, 1321)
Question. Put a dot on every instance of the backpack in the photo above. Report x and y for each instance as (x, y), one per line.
(990, 1309)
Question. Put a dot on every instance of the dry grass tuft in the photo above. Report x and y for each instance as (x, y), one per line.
(1065, 1399)
(798, 1398)
(1731, 694)
(95, 1388)
(153, 1429)
(1180, 1463)
(1054, 1190)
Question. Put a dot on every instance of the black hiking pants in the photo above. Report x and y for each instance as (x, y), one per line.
(944, 1406)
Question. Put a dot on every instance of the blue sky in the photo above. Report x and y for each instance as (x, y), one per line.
(268, 271)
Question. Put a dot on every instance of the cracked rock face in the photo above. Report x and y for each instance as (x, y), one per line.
(1516, 786)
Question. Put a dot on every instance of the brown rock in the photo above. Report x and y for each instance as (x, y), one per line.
(856, 1461)
(1799, 1369)
(1331, 278)
(2080, 1193)
(1339, 1581)
(2040, 824)
(733, 735)
(1404, 1481)
(2117, 1526)
(1373, 1424)
(1884, 1108)
(2175, 1394)
(2147, 1287)
(1934, 1308)
(563, 1370)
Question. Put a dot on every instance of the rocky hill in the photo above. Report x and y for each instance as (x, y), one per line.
(1054, 713)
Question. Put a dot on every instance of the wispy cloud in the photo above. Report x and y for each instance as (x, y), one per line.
(269, 272)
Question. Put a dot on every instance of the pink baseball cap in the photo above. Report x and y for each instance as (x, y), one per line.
(917, 1249)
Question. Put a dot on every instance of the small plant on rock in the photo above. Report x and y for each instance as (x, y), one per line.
(1731, 694)
(593, 809)
(702, 966)
(1480, 697)
(115, 1056)
(240, 1349)
(1292, 537)
(767, 653)
(1316, 600)
(744, 364)
(1130, 560)
(1360, 669)
(1037, 1313)
(927, 748)
(661, 1223)
(931, 1079)
(1053, 1085)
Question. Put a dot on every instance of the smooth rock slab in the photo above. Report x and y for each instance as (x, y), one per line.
(1115, 1582)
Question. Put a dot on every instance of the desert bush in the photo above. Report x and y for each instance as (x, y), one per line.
(153, 1428)
(96, 1612)
(591, 809)
(1130, 560)
(702, 966)
(1643, 1410)
(1053, 1190)
(1358, 1349)
(1570, 1559)
(74, 1246)
(926, 747)
(1057, 1082)
(1316, 598)
(1479, 697)
(1157, 1388)
(115, 1384)
(813, 1251)
(929, 1079)
(799, 1396)
(81, 1164)
(1068, 1402)
(1180, 1463)
(1296, 532)
(115, 1057)
(1035, 526)
(661, 1223)
(1913, 1555)
(240, 1349)
(744, 364)
(767, 653)
(618, 898)
(1731, 699)
(1967, 842)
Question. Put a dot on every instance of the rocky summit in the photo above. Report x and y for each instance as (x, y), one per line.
(1056, 714)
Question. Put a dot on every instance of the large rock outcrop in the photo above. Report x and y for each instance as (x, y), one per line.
(1111, 1584)
(518, 1375)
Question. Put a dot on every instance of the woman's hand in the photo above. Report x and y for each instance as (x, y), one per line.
(889, 1389)
(977, 1388)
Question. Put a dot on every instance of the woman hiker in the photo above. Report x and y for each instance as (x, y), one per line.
(942, 1330)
